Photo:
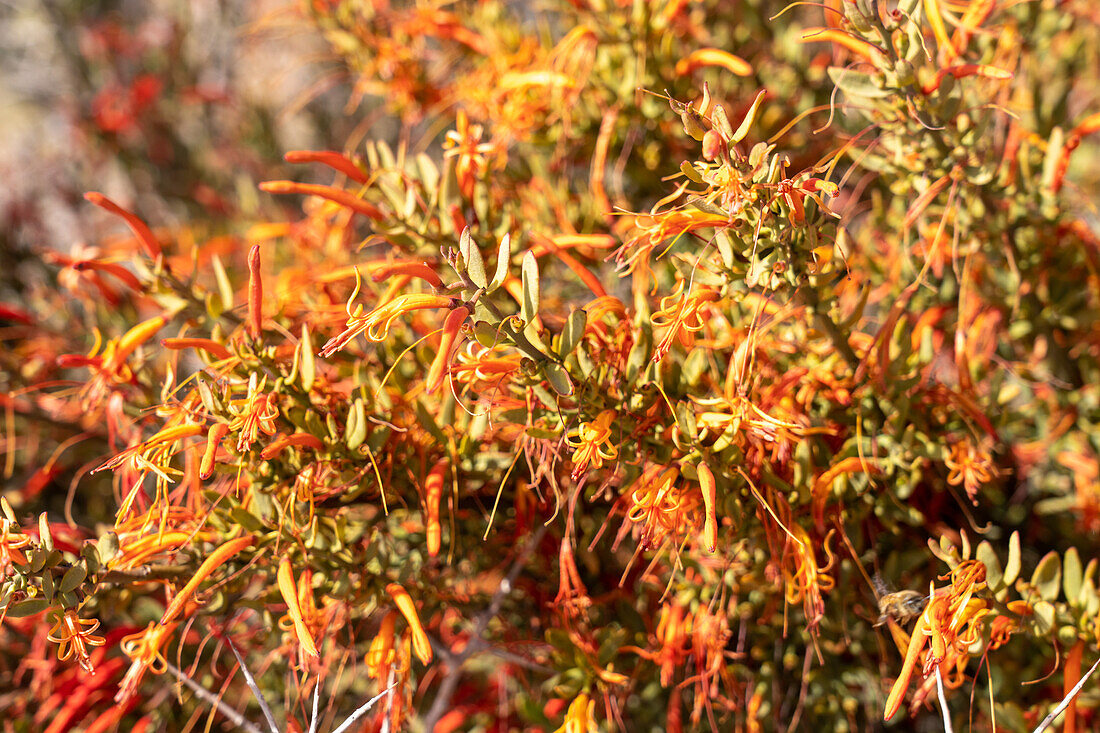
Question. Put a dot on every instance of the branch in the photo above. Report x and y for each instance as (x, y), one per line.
(477, 643)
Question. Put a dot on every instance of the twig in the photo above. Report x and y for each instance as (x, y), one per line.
(206, 696)
(1066, 700)
(943, 703)
(255, 689)
(316, 698)
(477, 644)
(362, 710)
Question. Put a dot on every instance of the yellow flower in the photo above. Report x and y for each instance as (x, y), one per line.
(683, 316)
(661, 507)
(950, 624)
(376, 324)
(591, 443)
(579, 718)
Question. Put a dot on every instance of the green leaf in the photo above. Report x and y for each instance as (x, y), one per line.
(725, 248)
(308, 367)
(573, 332)
(356, 431)
(424, 416)
(1047, 578)
(504, 254)
(44, 531)
(485, 333)
(1012, 567)
(689, 170)
(1053, 157)
(28, 607)
(750, 117)
(529, 309)
(721, 122)
(72, 578)
(48, 586)
(471, 255)
(685, 420)
(225, 288)
(1043, 618)
(1072, 574)
(107, 547)
(988, 557)
(856, 83)
(559, 379)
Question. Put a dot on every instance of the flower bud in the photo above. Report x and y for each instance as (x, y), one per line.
(712, 145)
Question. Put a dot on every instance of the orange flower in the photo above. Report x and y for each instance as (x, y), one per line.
(452, 327)
(376, 324)
(74, 635)
(971, 466)
(382, 651)
(949, 625)
(673, 633)
(708, 489)
(483, 367)
(223, 554)
(289, 591)
(110, 367)
(405, 605)
(580, 717)
(144, 649)
(473, 156)
(663, 509)
(256, 412)
(591, 443)
(805, 579)
(653, 229)
(682, 315)
(11, 542)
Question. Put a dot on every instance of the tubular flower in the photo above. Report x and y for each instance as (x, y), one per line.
(653, 229)
(452, 326)
(256, 412)
(949, 625)
(580, 717)
(11, 543)
(591, 443)
(109, 367)
(673, 633)
(289, 590)
(708, 488)
(220, 556)
(709, 634)
(74, 635)
(483, 367)
(376, 324)
(663, 509)
(682, 314)
(135, 551)
(154, 453)
(386, 270)
(405, 605)
(805, 581)
(433, 494)
(144, 648)
(970, 465)
(572, 597)
(473, 156)
(382, 651)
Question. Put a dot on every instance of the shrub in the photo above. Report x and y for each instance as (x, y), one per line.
(631, 383)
